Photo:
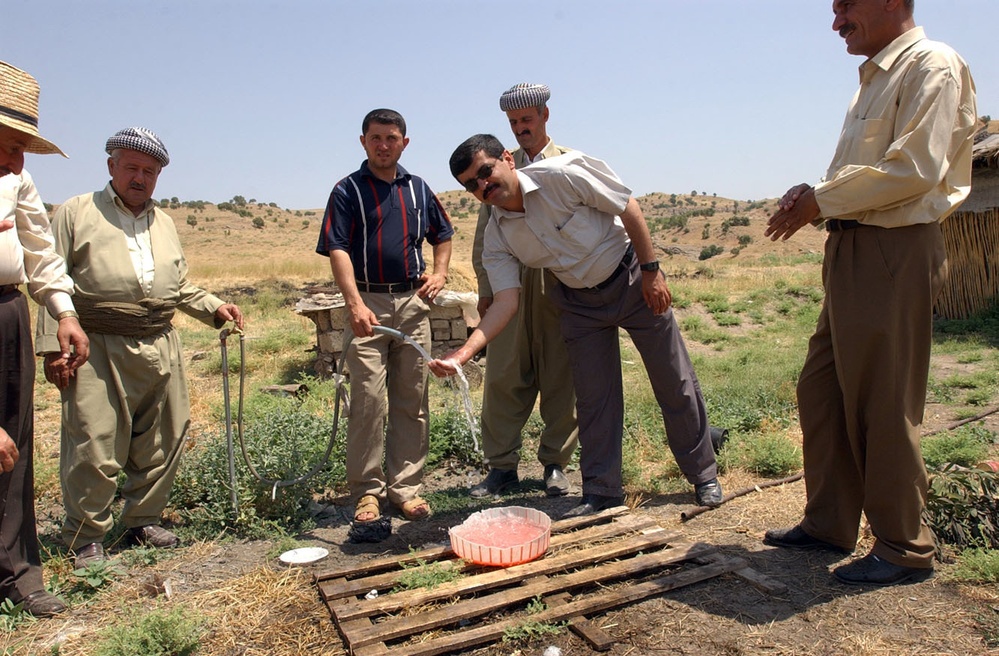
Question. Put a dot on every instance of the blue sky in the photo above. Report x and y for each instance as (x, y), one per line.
(264, 99)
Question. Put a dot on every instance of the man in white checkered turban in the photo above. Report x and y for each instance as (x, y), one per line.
(127, 410)
(528, 358)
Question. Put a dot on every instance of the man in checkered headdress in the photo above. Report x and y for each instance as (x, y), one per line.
(127, 409)
(528, 358)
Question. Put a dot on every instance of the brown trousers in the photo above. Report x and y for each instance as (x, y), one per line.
(20, 563)
(862, 390)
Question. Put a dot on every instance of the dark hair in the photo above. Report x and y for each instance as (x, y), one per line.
(385, 117)
(463, 155)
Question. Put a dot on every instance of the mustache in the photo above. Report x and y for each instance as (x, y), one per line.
(846, 29)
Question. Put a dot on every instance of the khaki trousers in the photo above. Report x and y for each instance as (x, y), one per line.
(388, 417)
(126, 410)
(526, 358)
(862, 390)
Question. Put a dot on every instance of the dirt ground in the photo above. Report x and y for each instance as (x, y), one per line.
(723, 616)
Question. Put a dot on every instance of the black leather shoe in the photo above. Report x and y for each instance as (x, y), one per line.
(871, 570)
(153, 536)
(89, 554)
(495, 482)
(556, 484)
(708, 493)
(796, 538)
(593, 503)
(42, 604)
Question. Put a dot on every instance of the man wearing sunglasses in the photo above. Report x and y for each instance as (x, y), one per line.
(528, 357)
(573, 216)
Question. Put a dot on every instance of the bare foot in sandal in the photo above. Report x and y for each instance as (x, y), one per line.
(368, 509)
(415, 509)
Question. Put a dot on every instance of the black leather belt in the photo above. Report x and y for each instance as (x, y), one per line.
(833, 225)
(624, 265)
(7, 289)
(388, 287)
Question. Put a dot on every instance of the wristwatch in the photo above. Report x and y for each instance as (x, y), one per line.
(650, 266)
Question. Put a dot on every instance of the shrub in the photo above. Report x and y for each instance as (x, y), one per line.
(962, 507)
(710, 251)
(771, 455)
(192, 220)
(966, 446)
(258, 222)
(157, 633)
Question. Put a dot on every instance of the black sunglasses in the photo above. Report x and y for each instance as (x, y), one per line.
(472, 184)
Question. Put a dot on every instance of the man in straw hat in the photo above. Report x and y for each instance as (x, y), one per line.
(127, 408)
(27, 255)
(572, 215)
(528, 357)
(902, 165)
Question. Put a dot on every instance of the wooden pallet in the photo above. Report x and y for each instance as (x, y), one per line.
(585, 554)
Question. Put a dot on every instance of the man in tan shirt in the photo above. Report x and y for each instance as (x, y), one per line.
(902, 165)
(27, 255)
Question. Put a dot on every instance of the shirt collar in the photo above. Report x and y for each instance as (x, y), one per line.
(400, 172)
(113, 196)
(887, 57)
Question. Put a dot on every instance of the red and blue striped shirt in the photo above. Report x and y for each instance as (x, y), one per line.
(382, 225)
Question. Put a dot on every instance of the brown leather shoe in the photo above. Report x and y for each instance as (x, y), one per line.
(43, 604)
(89, 554)
(153, 536)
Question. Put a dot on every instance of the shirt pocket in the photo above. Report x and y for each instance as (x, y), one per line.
(875, 136)
(583, 231)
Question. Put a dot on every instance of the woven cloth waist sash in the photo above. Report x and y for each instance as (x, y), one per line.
(148, 317)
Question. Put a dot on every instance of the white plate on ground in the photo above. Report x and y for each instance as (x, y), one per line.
(303, 556)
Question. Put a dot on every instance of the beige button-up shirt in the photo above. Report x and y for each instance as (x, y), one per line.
(904, 156)
(27, 251)
(570, 226)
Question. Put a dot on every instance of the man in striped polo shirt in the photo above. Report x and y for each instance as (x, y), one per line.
(373, 231)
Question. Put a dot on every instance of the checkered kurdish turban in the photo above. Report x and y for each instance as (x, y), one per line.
(524, 95)
(140, 139)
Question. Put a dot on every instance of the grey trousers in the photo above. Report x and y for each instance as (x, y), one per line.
(590, 322)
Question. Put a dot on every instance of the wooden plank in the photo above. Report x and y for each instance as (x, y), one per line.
(388, 580)
(759, 581)
(396, 627)
(589, 604)
(346, 631)
(596, 637)
(506, 576)
(437, 553)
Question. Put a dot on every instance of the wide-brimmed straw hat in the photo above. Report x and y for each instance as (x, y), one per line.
(19, 108)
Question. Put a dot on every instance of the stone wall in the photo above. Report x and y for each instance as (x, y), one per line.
(450, 318)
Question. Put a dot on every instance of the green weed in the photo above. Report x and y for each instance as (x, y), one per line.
(533, 629)
(965, 446)
(962, 507)
(13, 616)
(976, 566)
(770, 455)
(159, 632)
(421, 574)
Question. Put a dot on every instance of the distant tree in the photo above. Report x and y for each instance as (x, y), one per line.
(164, 202)
(672, 199)
(192, 220)
(305, 223)
(745, 240)
(48, 207)
(252, 200)
(706, 233)
(710, 251)
(258, 223)
(238, 201)
(175, 201)
(693, 193)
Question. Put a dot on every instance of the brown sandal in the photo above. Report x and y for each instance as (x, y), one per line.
(367, 505)
(415, 509)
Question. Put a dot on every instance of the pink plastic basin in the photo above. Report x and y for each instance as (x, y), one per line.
(502, 537)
